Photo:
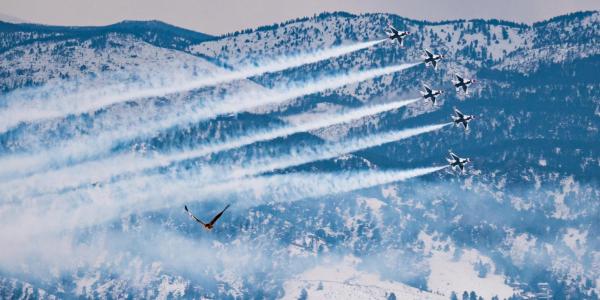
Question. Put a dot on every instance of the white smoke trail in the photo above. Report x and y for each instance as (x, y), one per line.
(43, 109)
(105, 169)
(216, 172)
(101, 171)
(25, 221)
(294, 187)
(91, 147)
(328, 151)
(283, 132)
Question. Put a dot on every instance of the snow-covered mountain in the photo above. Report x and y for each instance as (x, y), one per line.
(523, 222)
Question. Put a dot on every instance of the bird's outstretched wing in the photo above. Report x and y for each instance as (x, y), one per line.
(212, 222)
(192, 216)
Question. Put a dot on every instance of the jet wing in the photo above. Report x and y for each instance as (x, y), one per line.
(192, 216)
(434, 64)
(460, 79)
(429, 54)
(466, 125)
(218, 215)
(458, 113)
(465, 88)
(427, 89)
(454, 156)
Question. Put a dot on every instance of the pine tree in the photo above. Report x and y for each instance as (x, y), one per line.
(472, 296)
(453, 296)
(303, 295)
(465, 295)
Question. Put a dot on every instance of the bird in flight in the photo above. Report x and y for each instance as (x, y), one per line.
(210, 224)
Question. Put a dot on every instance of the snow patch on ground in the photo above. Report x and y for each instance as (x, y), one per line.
(342, 280)
(519, 203)
(576, 240)
(445, 269)
(521, 244)
(373, 203)
(174, 288)
(561, 210)
(84, 286)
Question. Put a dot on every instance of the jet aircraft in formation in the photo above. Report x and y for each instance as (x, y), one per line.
(461, 83)
(430, 94)
(394, 34)
(432, 59)
(460, 118)
(457, 162)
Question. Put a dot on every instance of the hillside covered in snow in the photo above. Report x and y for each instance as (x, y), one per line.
(322, 216)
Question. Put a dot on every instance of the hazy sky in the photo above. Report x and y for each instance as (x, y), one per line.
(221, 16)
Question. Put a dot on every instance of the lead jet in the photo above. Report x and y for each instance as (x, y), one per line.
(430, 94)
(209, 225)
(394, 34)
(462, 83)
(460, 118)
(432, 59)
(455, 161)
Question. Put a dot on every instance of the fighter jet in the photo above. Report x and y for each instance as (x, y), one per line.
(209, 225)
(394, 34)
(430, 94)
(462, 83)
(460, 118)
(432, 59)
(455, 161)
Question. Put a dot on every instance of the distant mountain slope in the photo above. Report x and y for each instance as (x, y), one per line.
(153, 32)
(28, 49)
(10, 19)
